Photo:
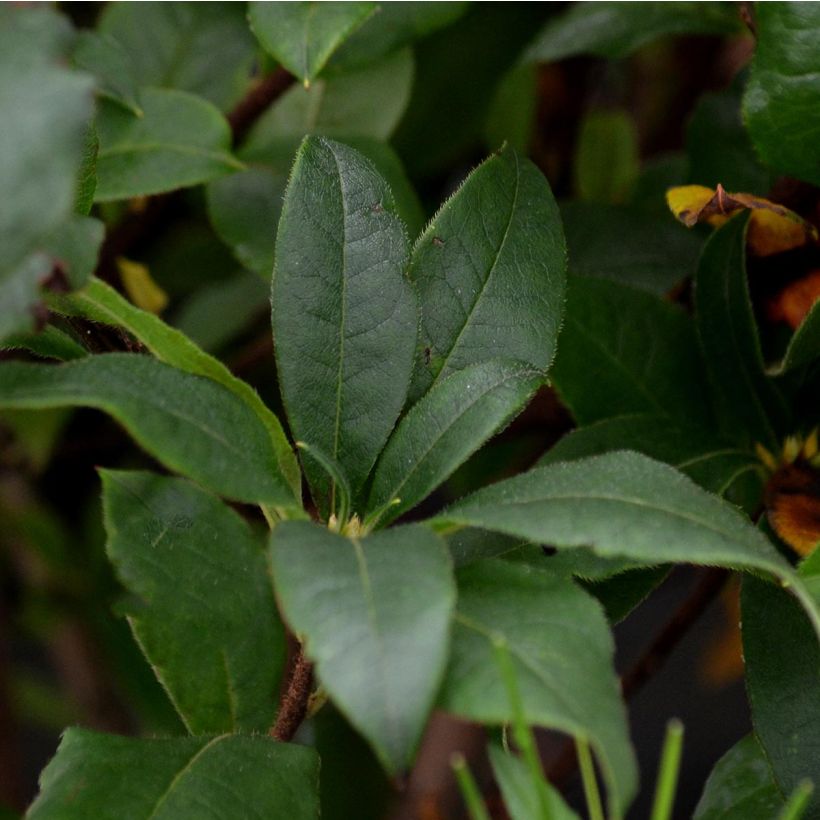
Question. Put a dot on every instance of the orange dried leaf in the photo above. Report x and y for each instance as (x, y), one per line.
(794, 302)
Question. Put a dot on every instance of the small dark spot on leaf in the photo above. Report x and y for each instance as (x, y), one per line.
(428, 354)
(377, 208)
(438, 242)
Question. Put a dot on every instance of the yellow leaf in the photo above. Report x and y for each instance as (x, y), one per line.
(142, 290)
(772, 228)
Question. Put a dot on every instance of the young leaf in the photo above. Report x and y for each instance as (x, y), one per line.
(192, 424)
(615, 30)
(46, 109)
(543, 619)
(740, 786)
(303, 36)
(375, 615)
(219, 648)
(625, 351)
(782, 94)
(489, 270)
(344, 316)
(123, 778)
(99, 302)
(783, 682)
(180, 140)
(445, 427)
(203, 48)
(623, 504)
(749, 406)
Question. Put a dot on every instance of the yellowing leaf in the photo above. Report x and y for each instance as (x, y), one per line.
(142, 290)
(772, 227)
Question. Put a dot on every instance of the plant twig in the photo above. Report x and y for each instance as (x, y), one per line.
(294, 704)
(256, 101)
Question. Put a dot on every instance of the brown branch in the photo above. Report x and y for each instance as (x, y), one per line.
(251, 107)
(294, 703)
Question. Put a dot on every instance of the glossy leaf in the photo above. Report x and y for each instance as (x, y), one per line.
(782, 94)
(190, 423)
(219, 648)
(445, 427)
(375, 615)
(783, 682)
(123, 778)
(180, 140)
(653, 253)
(344, 316)
(302, 36)
(46, 109)
(625, 505)
(625, 351)
(748, 405)
(740, 786)
(543, 620)
(203, 48)
(615, 30)
(712, 462)
(489, 271)
(99, 302)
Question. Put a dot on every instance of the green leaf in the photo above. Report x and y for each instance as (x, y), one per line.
(748, 405)
(105, 58)
(344, 316)
(46, 109)
(521, 799)
(782, 95)
(543, 619)
(708, 460)
(783, 682)
(50, 343)
(626, 351)
(615, 30)
(607, 161)
(740, 786)
(99, 302)
(625, 505)
(121, 778)
(375, 614)
(192, 424)
(393, 26)
(87, 174)
(646, 251)
(445, 427)
(489, 271)
(219, 648)
(180, 140)
(303, 36)
(804, 345)
(203, 48)
(511, 118)
(74, 246)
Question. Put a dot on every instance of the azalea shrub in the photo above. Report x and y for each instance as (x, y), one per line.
(365, 364)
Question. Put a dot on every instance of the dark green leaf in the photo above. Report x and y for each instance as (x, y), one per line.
(46, 109)
(204, 48)
(646, 251)
(445, 427)
(740, 786)
(783, 681)
(120, 778)
(606, 160)
(469, 545)
(543, 619)
(615, 30)
(782, 96)
(511, 118)
(626, 351)
(192, 424)
(804, 345)
(219, 648)
(303, 36)
(101, 303)
(180, 140)
(748, 405)
(87, 174)
(489, 270)
(625, 505)
(105, 58)
(709, 461)
(375, 614)
(344, 316)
